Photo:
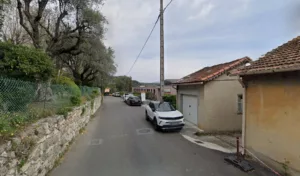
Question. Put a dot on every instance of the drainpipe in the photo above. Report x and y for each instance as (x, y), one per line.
(244, 121)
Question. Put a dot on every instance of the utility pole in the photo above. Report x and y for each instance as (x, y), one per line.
(162, 51)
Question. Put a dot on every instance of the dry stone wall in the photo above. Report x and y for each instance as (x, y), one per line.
(37, 149)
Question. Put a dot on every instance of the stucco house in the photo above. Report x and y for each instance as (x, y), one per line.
(271, 122)
(211, 99)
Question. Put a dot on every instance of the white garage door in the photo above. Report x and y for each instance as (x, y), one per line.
(190, 108)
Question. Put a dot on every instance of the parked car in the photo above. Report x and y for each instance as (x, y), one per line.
(163, 116)
(134, 101)
(114, 94)
(117, 94)
(126, 96)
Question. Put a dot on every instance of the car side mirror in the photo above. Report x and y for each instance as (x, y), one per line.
(153, 109)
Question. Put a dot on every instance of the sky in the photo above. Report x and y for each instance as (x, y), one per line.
(198, 33)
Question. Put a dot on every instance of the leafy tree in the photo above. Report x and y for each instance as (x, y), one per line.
(135, 83)
(66, 23)
(123, 83)
(95, 63)
(24, 62)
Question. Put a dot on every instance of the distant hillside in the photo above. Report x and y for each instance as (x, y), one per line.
(167, 82)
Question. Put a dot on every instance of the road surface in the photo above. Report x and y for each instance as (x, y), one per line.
(120, 142)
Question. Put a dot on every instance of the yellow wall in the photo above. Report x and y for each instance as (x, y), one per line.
(220, 101)
(273, 118)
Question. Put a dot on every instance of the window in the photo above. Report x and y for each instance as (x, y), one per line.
(240, 104)
(164, 107)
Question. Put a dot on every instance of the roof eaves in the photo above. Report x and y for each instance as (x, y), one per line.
(272, 70)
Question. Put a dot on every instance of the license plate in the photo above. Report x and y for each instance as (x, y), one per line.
(174, 123)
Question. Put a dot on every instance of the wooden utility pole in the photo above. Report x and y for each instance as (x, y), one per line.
(162, 51)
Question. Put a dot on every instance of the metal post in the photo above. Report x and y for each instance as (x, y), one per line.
(162, 52)
(237, 148)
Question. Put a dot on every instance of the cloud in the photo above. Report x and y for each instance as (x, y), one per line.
(203, 12)
(198, 33)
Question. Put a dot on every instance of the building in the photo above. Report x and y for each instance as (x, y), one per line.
(212, 100)
(271, 122)
(155, 90)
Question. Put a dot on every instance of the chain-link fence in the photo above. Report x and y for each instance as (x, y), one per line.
(22, 102)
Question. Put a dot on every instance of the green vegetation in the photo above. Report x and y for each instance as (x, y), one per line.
(171, 99)
(64, 111)
(49, 70)
(75, 100)
(150, 96)
(24, 62)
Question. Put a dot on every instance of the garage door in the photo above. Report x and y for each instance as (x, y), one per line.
(190, 108)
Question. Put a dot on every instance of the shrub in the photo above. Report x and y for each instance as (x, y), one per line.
(24, 62)
(150, 96)
(70, 84)
(75, 100)
(10, 122)
(94, 93)
(64, 111)
(171, 99)
(137, 94)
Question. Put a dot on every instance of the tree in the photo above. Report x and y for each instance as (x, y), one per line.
(123, 83)
(135, 83)
(24, 63)
(2, 4)
(66, 23)
(12, 31)
(95, 63)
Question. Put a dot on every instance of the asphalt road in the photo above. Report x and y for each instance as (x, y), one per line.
(118, 142)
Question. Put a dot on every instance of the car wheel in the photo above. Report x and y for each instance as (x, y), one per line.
(156, 127)
(130, 103)
(146, 115)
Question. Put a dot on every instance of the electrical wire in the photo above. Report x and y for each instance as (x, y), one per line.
(144, 45)
(168, 5)
(147, 39)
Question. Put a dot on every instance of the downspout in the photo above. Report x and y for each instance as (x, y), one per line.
(244, 121)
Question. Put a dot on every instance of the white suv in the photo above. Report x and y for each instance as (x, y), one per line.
(163, 116)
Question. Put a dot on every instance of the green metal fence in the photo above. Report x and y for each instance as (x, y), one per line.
(22, 101)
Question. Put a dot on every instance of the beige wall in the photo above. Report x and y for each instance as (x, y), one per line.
(195, 90)
(221, 105)
(273, 118)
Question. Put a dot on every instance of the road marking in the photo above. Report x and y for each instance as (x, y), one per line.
(96, 142)
(144, 131)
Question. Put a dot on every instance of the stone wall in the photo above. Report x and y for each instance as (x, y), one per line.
(37, 149)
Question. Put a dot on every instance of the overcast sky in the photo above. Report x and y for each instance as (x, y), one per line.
(198, 33)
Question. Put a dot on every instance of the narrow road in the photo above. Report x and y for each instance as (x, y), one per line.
(118, 142)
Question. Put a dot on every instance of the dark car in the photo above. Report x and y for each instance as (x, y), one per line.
(133, 100)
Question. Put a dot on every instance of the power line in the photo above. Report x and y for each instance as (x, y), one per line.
(148, 38)
(144, 45)
(168, 5)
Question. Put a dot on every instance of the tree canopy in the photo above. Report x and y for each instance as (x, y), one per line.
(24, 62)
(71, 32)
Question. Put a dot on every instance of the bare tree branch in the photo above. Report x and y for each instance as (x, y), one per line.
(19, 6)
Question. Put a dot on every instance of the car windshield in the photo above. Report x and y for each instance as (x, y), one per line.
(135, 98)
(164, 107)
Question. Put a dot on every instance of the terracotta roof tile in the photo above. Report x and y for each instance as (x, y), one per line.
(284, 58)
(210, 73)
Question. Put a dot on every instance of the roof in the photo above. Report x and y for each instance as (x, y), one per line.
(210, 73)
(284, 58)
